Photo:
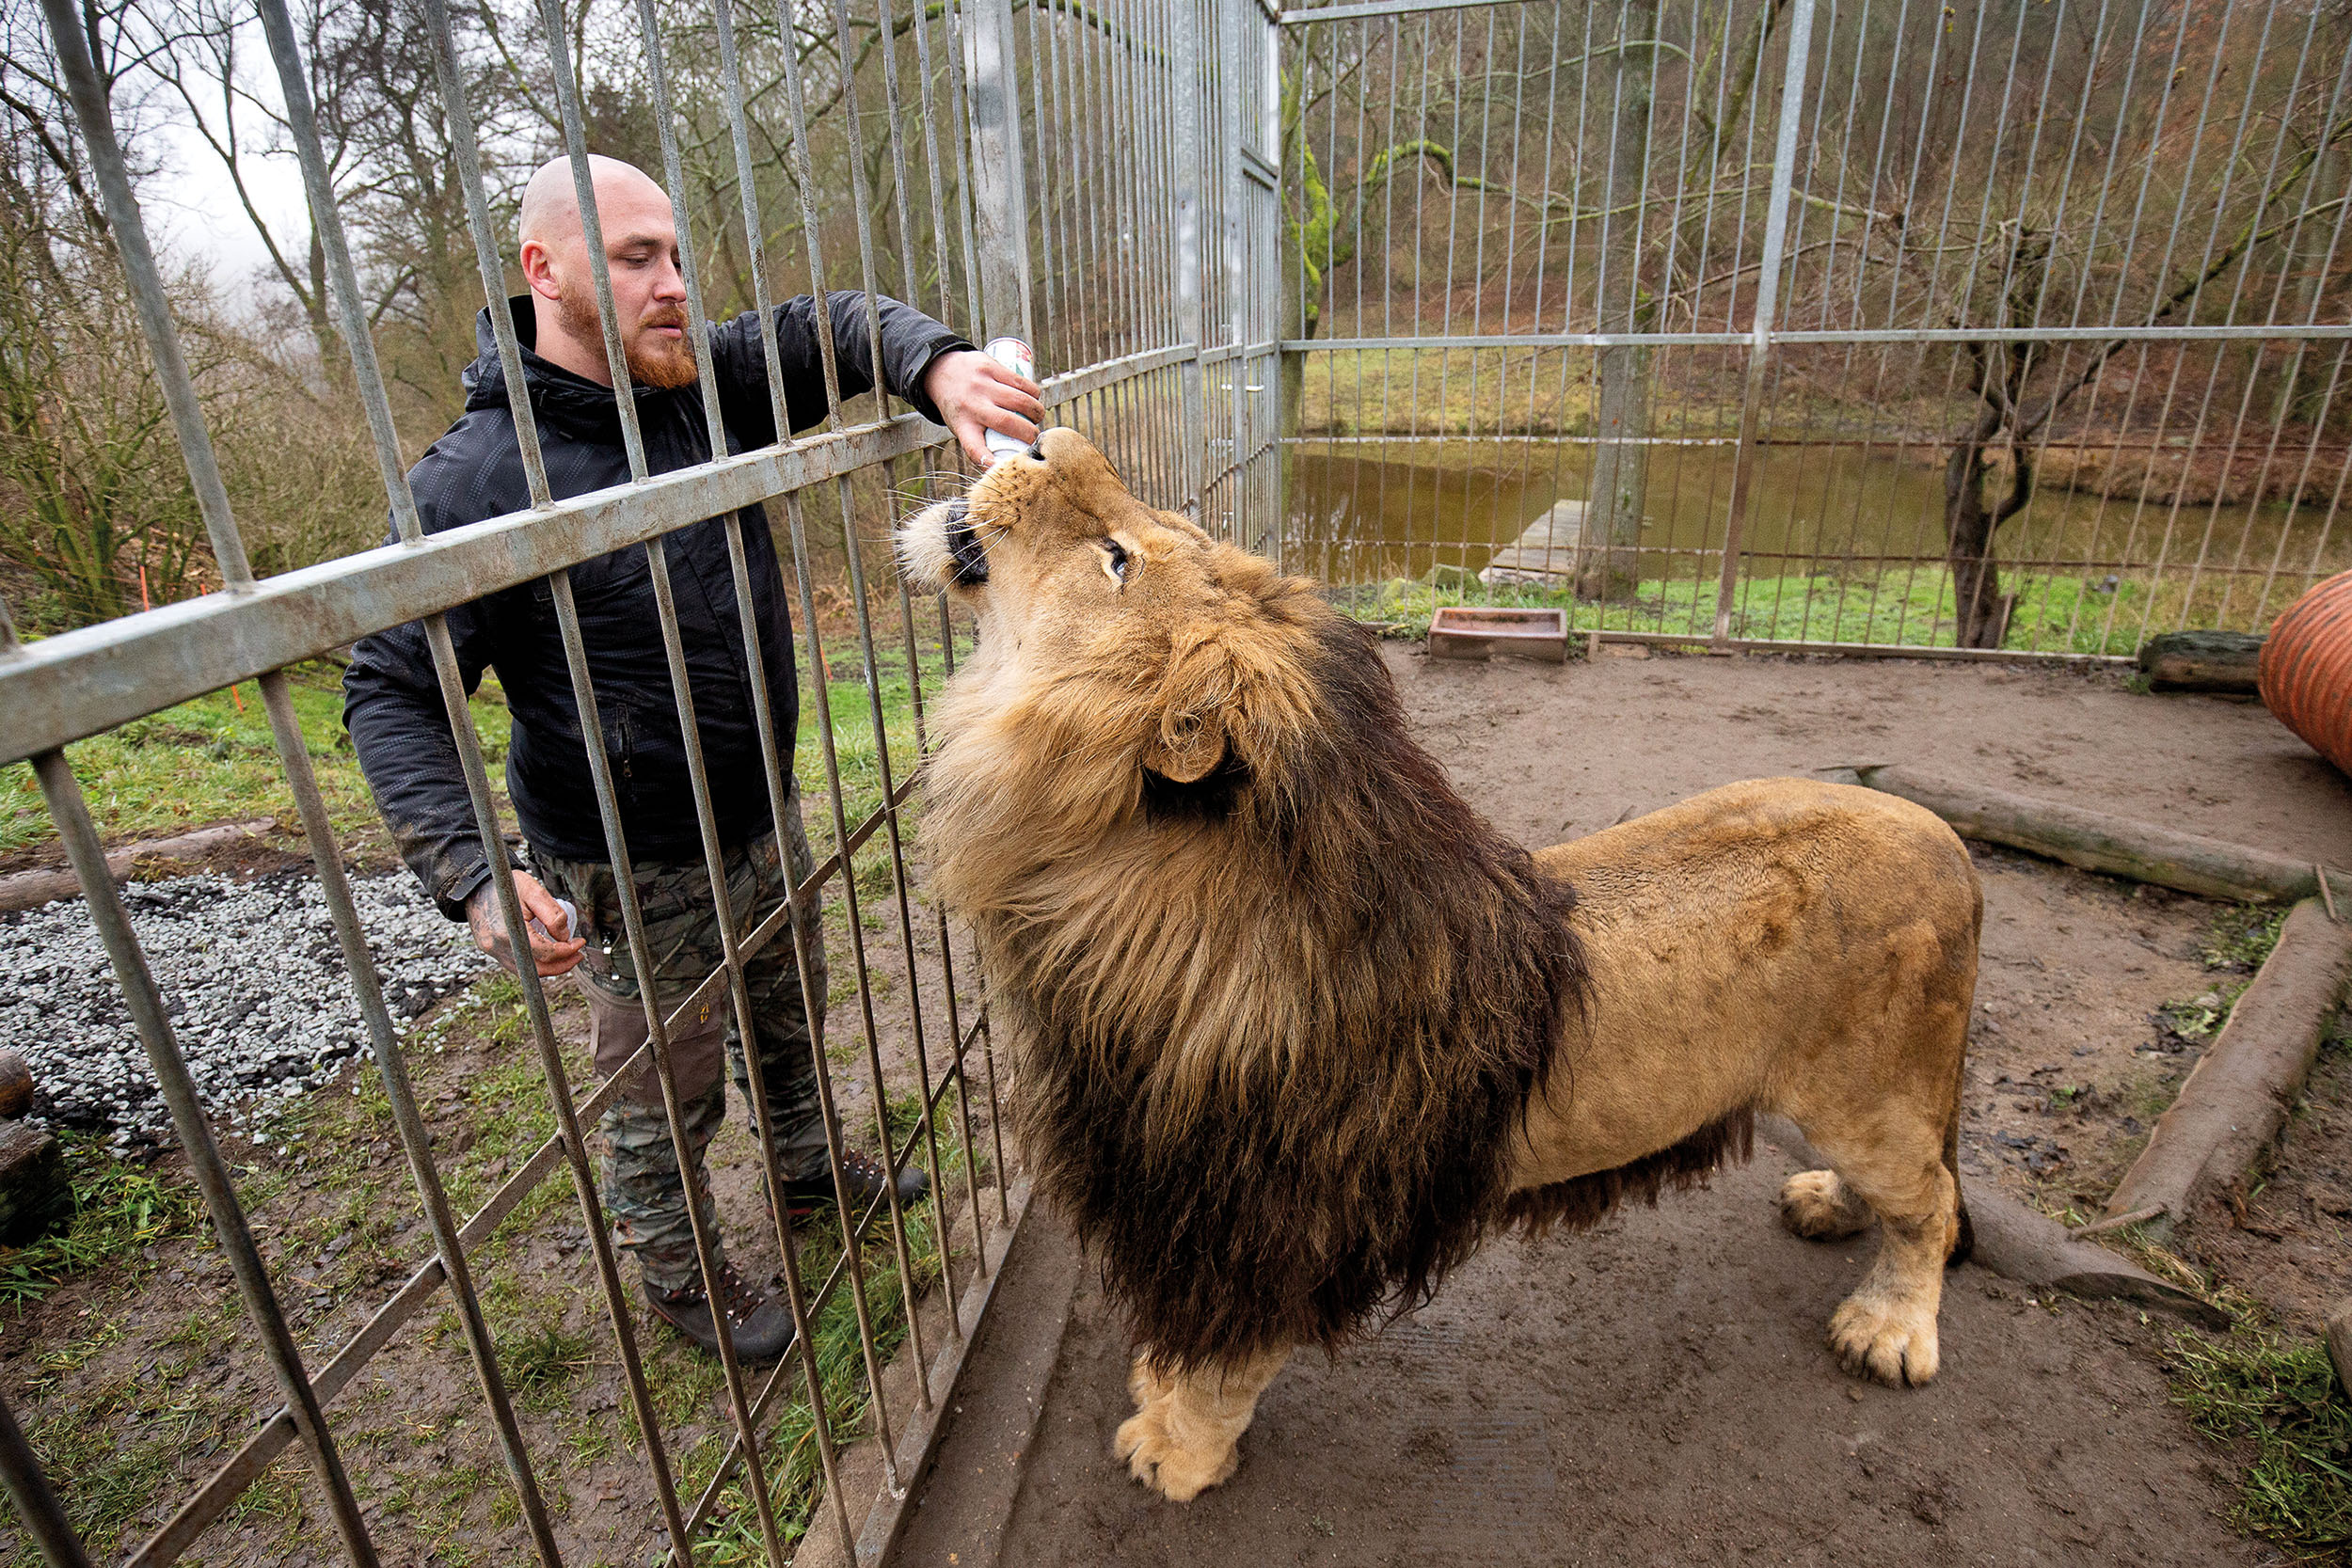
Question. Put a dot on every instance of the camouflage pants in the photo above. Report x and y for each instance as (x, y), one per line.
(645, 1198)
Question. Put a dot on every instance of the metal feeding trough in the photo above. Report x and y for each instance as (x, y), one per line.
(1471, 631)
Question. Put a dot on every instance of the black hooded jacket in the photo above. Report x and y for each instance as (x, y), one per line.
(391, 698)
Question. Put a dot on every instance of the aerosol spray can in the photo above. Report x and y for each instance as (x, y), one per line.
(571, 922)
(1014, 356)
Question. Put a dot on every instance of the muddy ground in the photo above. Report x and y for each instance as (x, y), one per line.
(1657, 1391)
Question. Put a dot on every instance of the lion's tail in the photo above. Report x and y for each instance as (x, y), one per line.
(1964, 1233)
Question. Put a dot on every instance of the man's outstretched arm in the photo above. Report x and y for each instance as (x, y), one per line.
(924, 363)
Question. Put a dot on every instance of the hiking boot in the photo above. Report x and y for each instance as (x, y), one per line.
(760, 1324)
(863, 1176)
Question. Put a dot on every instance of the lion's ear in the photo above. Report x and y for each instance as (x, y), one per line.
(1187, 748)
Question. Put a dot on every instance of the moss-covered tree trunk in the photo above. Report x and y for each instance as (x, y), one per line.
(1613, 520)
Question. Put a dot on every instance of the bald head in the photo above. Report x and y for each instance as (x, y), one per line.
(551, 212)
(641, 255)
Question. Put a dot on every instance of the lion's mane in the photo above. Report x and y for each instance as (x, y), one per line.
(1274, 1031)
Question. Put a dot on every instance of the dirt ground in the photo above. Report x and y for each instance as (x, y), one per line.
(1657, 1391)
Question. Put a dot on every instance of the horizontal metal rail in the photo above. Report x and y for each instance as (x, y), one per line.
(1795, 338)
(82, 683)
(1301, 18)
(1239, 351)
(1072, 386)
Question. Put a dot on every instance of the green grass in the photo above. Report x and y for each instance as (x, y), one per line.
(119, 1209)
(210, 759)
(856, 747)
(2280, 1398)
(1898, 607)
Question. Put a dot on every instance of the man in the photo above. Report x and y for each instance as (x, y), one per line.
(392, 702)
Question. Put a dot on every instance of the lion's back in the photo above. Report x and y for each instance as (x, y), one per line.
(1739, 935)
(1749, 847)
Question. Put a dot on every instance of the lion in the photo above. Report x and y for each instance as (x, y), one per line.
(1293, 1028)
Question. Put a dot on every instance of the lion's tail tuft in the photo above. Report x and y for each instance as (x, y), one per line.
(1964, 1234)
(1964, 1243)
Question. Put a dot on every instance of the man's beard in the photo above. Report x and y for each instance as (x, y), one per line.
(666, 363)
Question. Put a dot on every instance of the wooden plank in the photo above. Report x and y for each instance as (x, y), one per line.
(1546, 552)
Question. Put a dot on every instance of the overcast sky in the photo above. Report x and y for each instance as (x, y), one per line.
(193, 214)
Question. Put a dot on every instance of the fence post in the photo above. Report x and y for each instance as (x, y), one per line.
(1230, 72)
(1767, 304)
(1191, 323)
(999, 185)
(1269, 130)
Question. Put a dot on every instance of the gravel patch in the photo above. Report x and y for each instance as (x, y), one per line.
(251, 976)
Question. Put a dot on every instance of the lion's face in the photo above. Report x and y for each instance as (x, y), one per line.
(1073, 580)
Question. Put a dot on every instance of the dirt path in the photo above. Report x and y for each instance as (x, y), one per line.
(1550, 753)
(1657, 1391)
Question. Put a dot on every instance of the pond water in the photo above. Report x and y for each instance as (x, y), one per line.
(1373, 512)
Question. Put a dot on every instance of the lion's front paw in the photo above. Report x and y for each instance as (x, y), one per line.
(1142, 1438)
(1894, 1342)
(1816, 1205)
(1155, 1458)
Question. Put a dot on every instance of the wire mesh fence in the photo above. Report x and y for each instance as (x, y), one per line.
(1854, 321)
(1096, 180)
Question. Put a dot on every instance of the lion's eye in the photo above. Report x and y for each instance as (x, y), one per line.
(1115, 560)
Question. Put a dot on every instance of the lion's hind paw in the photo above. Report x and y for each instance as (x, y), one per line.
(1893, 1343)
(1816, 1205)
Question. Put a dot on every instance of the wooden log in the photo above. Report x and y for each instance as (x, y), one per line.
(30, 890)
(2016, 1242)
(16, 1084)
(2101, 841)
(2229, 662)
(2340, 1342)
(2238, 1097)
(36, 1197)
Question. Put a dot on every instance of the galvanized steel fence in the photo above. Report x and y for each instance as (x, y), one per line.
(1986, 326)
(1858, 324)
(1096, 179)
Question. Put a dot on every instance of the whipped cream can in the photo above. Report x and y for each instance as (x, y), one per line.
(1014, 356)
